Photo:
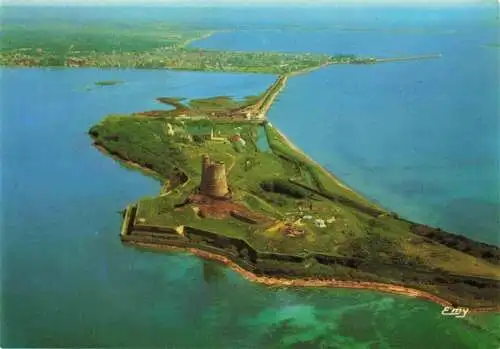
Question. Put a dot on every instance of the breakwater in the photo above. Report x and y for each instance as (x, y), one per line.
(266, 100)
(408, 58)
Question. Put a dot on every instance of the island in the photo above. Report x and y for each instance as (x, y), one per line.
(108, 83)
(236, 190)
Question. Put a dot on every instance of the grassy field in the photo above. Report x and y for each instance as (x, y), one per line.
(208, 105)
(219, 103)
(141, 45)
(105, 37)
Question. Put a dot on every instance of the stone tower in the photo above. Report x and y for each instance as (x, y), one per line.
(213, 178)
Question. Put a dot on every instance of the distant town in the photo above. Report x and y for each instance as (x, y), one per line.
(150, 46)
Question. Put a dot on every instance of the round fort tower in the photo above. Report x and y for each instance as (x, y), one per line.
(213, 178)
(205, 163)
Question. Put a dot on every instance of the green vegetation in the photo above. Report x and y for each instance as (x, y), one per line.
(142, 45)
(207, 106)
(287, 216)
(282, 186)
(250, 107)
(352, 242)
(173, 101)
(137, 140)
(219, 103)
(260, 181)
(311, 174)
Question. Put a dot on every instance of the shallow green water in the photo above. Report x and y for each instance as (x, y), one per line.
(262, 143)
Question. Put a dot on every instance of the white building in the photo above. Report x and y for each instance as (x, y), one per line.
(331, 220)
(170, 130)
(320, 223)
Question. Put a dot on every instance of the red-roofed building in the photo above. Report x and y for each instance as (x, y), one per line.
(238, 139)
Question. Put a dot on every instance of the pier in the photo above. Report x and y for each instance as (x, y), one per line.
(408, 58)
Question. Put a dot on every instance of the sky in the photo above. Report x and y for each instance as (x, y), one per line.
(239, 2)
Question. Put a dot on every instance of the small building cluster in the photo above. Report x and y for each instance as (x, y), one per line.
(206, 133)
(202, 133)
(237, 139)
(291, 231)
(320, 223)
(170, 130)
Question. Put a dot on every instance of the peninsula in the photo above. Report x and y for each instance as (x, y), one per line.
(237, 191)
(149, 45)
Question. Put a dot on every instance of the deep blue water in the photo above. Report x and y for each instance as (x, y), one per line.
(419, 137)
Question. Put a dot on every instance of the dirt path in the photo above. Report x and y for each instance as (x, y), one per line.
(271, 97)
(232, 163)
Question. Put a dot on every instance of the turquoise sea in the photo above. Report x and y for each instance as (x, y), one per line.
(418, 137)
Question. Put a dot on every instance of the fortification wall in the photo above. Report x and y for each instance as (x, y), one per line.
(153, 229)
(456, 287)
(243, 218)
(243, 249)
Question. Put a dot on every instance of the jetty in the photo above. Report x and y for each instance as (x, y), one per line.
(408, 58)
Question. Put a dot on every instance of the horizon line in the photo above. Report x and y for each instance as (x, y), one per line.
(252, 3)
(295, 5)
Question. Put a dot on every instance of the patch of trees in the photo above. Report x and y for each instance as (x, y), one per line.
(94, 131)
(477, 249)
(283, 186)
(378, 249)
(272, 198)
(341, 199)
(144, 142)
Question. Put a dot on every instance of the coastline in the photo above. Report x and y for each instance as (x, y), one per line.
(273, 94)
(202, 37)
(332, 283)
(325, 171)
(308, 70)
(263, 116)
(133, 165)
